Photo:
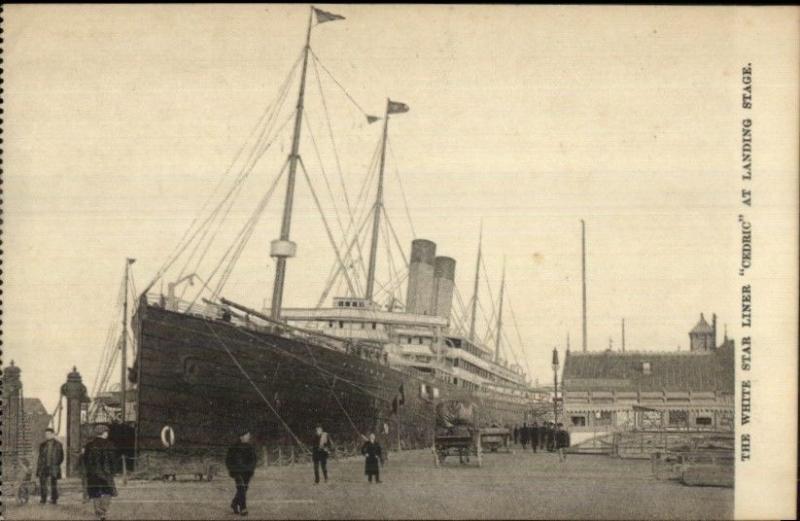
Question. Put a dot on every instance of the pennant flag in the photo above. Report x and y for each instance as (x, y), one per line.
(372, 119)
(395, 107)
(325, 16)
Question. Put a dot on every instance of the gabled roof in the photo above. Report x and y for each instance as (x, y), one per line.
(702, 326)
(671, 370)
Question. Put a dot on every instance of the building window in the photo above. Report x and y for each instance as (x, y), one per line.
(703, 421)
(341, 325)
(374, 325)
(678, 418)
(646, 369)
(578, 421)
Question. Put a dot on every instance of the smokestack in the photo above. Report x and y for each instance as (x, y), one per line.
(419, 297)
(444, 275)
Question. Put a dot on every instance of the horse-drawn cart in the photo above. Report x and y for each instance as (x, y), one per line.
(459, 441)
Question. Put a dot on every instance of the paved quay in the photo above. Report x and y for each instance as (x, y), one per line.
(522, 485)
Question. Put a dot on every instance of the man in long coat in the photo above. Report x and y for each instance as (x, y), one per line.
(241, 464)
(98, 461)
(374, 458)
(535, 436)
(524, 436)
(48, 466)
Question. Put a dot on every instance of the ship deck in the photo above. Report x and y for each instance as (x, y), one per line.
(522, 485)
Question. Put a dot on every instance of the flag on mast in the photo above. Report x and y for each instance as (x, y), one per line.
(325, 16)
(395, 107)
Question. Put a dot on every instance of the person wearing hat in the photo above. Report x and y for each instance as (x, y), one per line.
(241, 464)
(319, 453)
(98, 461)
(48, 466)
(562, 441)
(374, 458)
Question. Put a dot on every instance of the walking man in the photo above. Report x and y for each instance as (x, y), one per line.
(374, 458)
(241, 464)
(48, 466)
(535, 436)
(562, 442)
(524, 436)
(99, 467)
(319, 454)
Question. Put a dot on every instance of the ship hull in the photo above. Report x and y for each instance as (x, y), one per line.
(199, 381)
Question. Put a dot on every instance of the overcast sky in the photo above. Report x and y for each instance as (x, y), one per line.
(120, 120)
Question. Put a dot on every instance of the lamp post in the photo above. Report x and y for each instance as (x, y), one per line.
(555, 385)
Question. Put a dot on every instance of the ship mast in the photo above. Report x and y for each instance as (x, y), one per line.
(377, 209)
(284, 248)
(474, 313)
(500, 315)
(123, 381)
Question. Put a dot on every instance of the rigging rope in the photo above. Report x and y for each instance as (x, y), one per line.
(353, 101)
(221, 221)
(333, 143)
(325, 222)
(402, 190)
(246, 231)
(269, 404)
(188, 235)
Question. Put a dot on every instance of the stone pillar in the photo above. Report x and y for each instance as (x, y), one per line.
(13, 422)
(75, 392)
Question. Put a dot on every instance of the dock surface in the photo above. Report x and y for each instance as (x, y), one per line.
(521, 485)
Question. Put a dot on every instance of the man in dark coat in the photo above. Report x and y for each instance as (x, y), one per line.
(319, 453)
(98, 462)
(535, 436)
(241, 464)
(562, 442)
(551, 436)
(48, 466)
(374, 461)
(524, 436)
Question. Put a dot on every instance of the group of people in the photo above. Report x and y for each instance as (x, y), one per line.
(550, 436)
(241, 460)
(96, 465)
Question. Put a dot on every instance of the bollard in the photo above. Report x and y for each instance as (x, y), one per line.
(280, 455)
(292, 460)
(266, 456)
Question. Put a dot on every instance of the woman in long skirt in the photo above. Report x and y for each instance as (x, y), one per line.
(374, 458)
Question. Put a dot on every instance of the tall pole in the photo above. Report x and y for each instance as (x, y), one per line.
(283, 248)
(123, 377)
(583, 278)
(500, 315)
(377, 209)
(474, 312)
(623, 335)
(555, 385)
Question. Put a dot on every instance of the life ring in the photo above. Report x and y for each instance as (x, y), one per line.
(167, 436)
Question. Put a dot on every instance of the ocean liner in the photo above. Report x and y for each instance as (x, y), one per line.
(202, 369)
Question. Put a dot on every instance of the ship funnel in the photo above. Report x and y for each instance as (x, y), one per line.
(419, 298)
(444, 274)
